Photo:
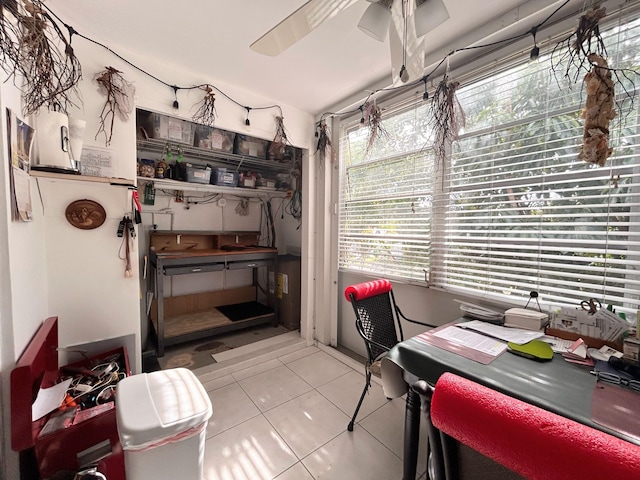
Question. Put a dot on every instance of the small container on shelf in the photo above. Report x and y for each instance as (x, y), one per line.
(147, 168)
(196, 174)
(225, 178)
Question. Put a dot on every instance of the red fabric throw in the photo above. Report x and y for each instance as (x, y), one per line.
(367, 289)
(533, 442)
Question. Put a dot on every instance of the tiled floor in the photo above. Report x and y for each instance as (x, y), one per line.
(282, 412)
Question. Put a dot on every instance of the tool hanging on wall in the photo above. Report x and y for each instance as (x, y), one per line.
(149, 194)
(136, 208)
(126, 230)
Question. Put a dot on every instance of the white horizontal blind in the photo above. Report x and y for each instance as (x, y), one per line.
(385, 198)
(523, 212)
(517, 210)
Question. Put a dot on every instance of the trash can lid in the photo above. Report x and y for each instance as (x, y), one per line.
(151, 407)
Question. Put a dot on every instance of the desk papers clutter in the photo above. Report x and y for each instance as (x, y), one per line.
(603, 324)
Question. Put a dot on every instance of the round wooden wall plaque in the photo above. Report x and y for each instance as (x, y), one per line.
(85, 214)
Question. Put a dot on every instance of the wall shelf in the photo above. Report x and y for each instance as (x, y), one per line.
(118, 182)
(204, 156)
(166, 184)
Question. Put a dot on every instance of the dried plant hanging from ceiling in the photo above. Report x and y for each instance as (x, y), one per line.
(119, 102)
(583, 56)
(324, 144)
(206, 113)
(597, 113)
(42, 56)
(280, 141)
(447, 116)
(372, 116)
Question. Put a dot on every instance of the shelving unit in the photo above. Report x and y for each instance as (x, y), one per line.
(175, 185)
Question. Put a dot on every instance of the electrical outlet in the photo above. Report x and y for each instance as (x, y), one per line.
(222, 202)
(179, 196)
(289, 193)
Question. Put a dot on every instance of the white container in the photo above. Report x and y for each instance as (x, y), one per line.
(162, 418)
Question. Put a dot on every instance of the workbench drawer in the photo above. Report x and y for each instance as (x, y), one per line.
(182, 270)
(248, 264)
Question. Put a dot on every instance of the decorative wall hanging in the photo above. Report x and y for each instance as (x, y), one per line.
(447, 116)
(206, 112)
(50, 74)
(119, 101)
(85, 214)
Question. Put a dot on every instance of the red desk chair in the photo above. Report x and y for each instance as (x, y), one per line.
(508, 438)
(378, 323)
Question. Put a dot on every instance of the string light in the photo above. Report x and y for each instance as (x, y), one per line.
(535, 51)
(247, 122)
(425, 95)
(176, 105)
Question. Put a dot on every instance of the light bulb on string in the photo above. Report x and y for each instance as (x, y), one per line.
(176, 105)
(535, 51)
(404, 74)
(425, 95)
(247, 122)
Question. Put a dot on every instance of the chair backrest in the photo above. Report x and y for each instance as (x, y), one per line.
(376, 318)
(533, 442)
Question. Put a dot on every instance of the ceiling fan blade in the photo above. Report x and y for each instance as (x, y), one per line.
(414, 61)
(297, 25)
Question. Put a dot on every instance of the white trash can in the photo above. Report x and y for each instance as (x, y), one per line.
(162, 419)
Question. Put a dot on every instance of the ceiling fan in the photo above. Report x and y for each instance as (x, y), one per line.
(405, 22)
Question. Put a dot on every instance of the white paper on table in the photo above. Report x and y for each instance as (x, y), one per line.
(473, 340)
(508, 334)
(49, 399)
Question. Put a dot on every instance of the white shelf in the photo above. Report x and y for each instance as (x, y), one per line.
(166, 184)
(118, 182)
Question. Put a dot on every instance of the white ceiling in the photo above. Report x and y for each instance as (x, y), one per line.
(324, 69)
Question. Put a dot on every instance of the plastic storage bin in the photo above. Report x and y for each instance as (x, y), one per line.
(162, 418)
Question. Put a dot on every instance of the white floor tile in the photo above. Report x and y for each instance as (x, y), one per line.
(290, 357)
(318, 368)
(307, 422)
(345, 391)
(274, 387)
(250, 451)
(354, 455)
(297, 472)
(387, 425)
(217, 382)
(231, 406)
(256, 369)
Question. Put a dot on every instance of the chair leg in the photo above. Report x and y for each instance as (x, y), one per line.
(411, 434)
(364, 392)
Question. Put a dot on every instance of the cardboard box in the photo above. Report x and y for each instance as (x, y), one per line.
(287, 290)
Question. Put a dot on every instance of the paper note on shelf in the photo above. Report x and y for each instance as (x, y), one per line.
(48, 399)
(515, 335)
(473, 340)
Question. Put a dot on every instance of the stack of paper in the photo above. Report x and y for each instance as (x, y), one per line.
(577, 353)
(603, 324)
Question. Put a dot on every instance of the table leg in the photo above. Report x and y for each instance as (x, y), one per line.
(411, 435)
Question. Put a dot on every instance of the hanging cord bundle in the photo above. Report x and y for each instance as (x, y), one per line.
(119, 93)
(206, 112)
(50, 74)
(447, 115)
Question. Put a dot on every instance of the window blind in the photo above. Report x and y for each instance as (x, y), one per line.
(515, 209)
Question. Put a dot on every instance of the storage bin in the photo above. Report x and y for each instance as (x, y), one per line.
(162, 418)
(252, 146)
(165, 127)
(226, 178)
(198, 174)
(214, 139)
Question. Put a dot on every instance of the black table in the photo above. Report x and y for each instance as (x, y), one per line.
(556, 386)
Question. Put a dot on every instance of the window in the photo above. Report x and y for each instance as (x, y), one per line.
(514, 210)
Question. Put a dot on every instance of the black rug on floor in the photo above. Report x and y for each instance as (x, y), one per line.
(242, 311)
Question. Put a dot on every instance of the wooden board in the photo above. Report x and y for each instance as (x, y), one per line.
(200, 302)
(180, 241)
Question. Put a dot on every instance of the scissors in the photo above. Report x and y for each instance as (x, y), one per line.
(591, 305)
